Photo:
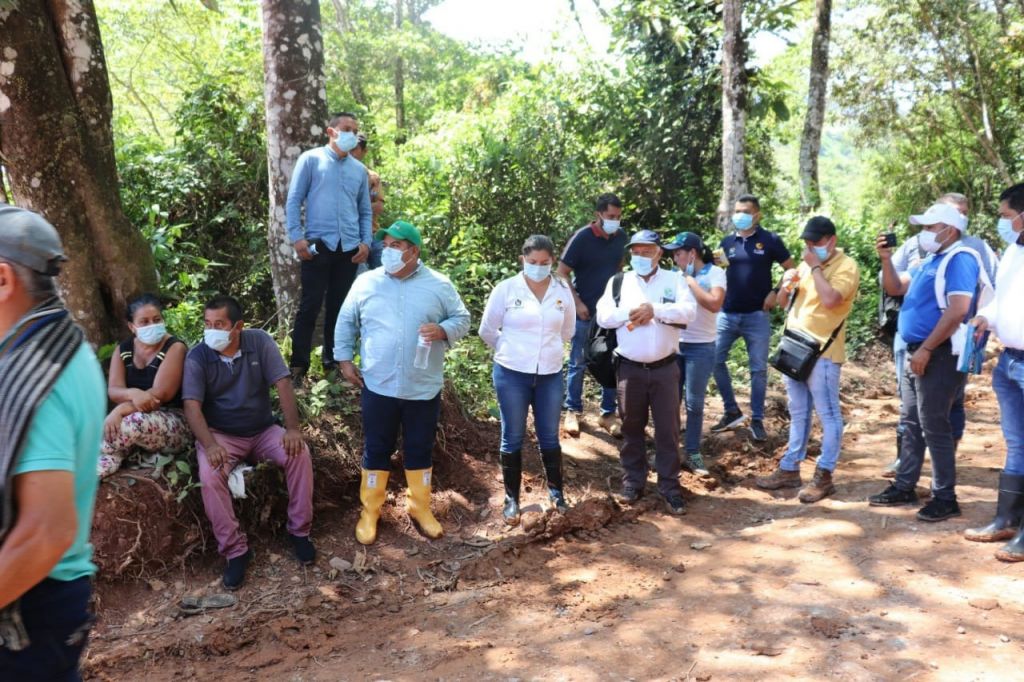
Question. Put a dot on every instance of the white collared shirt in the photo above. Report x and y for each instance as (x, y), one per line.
(528, 335)
(1005, 317)
(672, 302)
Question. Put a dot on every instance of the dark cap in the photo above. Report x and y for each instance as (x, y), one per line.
(26, 238)
(817, 227)
(685, 240)
(645, 237)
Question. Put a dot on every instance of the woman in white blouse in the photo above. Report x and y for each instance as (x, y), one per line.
(528, 320)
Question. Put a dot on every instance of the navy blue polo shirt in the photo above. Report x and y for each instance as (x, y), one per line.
(749, 275)
(235, 392)
(594, 258)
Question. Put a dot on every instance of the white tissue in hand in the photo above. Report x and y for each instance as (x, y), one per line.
(236, 481)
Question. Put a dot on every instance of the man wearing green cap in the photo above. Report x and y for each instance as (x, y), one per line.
(405, 316)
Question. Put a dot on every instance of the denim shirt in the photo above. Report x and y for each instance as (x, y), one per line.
(385, 313)
(336, 192)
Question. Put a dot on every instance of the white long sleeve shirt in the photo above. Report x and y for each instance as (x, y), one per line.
(672, 302)
(1005, 313)
(528, 335)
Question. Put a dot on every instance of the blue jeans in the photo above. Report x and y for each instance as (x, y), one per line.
(820, 393)
(756, 331)
(957, 415)
(384, 416)
(696, 361)
(57, 618)
(577, 369)
(517, 392)
(1008, 383)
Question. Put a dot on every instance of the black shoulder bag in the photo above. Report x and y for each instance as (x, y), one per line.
(798, 351)
(599, 352)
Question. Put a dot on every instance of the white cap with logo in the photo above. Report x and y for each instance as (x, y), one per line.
(941, 213)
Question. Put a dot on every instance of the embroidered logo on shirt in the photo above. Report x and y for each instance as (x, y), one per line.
(669, 296)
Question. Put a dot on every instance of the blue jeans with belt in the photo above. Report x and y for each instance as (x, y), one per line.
(384, 417)
(696, 362)
(57, 617)
(577, 370)
(1008, 383)
(756, 331)
(517, 393)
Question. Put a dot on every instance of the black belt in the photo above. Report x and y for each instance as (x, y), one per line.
(914, 346)
(649, 365)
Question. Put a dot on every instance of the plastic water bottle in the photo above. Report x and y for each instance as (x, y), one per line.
(422, 353)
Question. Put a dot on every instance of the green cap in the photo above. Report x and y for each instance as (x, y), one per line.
(401, 230)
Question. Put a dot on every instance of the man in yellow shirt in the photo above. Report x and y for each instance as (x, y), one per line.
(824, 287)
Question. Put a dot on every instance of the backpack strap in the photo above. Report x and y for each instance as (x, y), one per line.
(617, 287)
(982, 293)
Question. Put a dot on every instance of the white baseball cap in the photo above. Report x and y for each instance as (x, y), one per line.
(941, 213)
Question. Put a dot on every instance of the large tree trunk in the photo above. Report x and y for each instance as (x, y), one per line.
(734, 110)
(817, 88)
(57, 143)
(399, 83)
(296, 110)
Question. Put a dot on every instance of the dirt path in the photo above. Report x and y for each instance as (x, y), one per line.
(746, 585)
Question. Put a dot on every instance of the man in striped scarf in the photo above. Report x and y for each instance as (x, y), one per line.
(51, 415)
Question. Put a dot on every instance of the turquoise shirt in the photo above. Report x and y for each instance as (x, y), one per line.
(385, 314)
(65, 436)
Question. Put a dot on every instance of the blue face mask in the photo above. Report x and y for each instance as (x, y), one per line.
(1005, 228)
(642, 265)
(537, 273)
(392, 260)
(346, 141)
(610, 226)
(821, 252)
(742, 221)
(689, 270)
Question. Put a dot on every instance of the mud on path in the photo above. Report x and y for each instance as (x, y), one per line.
(747, 585)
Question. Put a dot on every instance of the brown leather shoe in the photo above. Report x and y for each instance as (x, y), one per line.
(819, 488)
(779, 479)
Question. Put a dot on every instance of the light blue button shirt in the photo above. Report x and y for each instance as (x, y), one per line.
(336, 192)
(385, 314)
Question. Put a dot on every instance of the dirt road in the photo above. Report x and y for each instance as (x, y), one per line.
(746, 585)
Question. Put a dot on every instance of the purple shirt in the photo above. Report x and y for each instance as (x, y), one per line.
(235, 393)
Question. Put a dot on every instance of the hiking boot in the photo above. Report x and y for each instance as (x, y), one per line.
(303, 548)
(695, 463)
(780, 478)
(676, 505)
(1014, 549)
(611, 423)
(630, 494)
(1009, 512)
(939, 510)
(234, 573)
(890, 470)
(819, 488)
(730, 421)
(757, 431)
(893, 497)
(571, 424)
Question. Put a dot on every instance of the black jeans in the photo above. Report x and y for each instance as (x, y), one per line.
(57, 617)
(925, 421)
(325, 282)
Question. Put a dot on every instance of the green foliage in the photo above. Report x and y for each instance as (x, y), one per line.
(177, 470)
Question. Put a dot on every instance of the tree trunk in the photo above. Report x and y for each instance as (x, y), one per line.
(399, 83)
(817, 88)
(56, 140)
(295, 99)
(734, 114)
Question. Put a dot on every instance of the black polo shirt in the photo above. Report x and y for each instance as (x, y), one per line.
(749, 275)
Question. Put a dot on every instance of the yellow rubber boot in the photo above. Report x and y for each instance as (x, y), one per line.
(372, 492)
(418, 502)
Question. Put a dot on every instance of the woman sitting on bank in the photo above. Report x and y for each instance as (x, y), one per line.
(145, 385)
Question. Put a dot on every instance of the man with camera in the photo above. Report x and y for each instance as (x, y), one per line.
(820, 295)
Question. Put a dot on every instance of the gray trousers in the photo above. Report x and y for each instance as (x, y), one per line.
(641, 390)
(924, 419)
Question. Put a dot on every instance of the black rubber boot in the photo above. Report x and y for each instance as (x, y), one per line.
(1014, 549)
(512, 474)
(1009, 512)
(553, 470)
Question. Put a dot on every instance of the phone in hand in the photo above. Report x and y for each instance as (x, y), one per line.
(890, 239)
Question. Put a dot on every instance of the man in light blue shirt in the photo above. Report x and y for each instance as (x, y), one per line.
(334, 187)
(405, 316)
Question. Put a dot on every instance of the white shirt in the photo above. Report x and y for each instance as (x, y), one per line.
(672, 303)
(704, 328)
(529, 335)
(1005, 317)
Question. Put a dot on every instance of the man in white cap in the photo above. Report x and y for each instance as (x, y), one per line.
(938, 297)
(52, 400)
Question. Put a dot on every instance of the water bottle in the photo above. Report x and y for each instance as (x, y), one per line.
(422, 353)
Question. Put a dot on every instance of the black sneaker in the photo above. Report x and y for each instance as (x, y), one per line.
(939, 510)
(757, 430)
(630, 494)
(304, 550)
(730, 421)
(676, 505)
(893, 497)
(234, 574)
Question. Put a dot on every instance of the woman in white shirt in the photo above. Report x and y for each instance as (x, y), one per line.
(706, 282)
(528, 320)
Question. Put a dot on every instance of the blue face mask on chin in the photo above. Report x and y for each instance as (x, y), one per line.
(742, 221)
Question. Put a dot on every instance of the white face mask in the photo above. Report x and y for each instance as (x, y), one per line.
(536, 272)
(217, 339)
(611, 226)
(392, 260)
(929, 241)
(151, 334)
(346, 141)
